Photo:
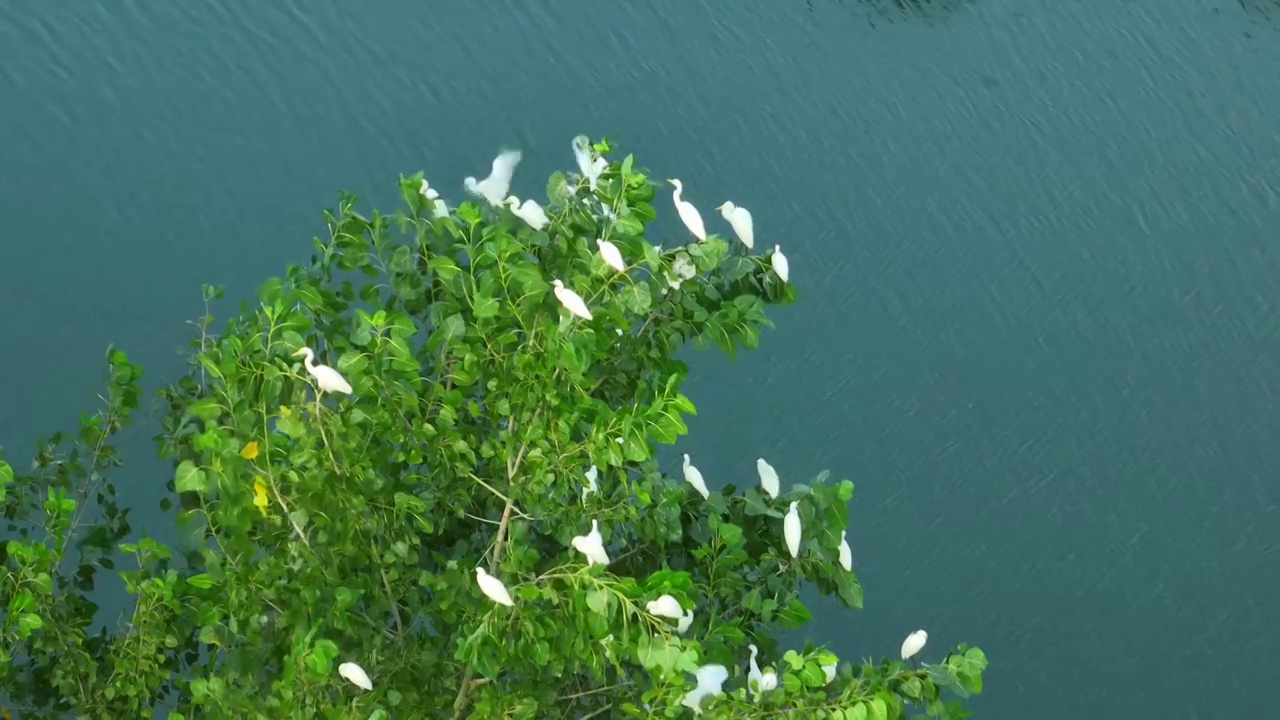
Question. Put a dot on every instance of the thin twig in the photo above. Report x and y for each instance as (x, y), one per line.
(386, 585)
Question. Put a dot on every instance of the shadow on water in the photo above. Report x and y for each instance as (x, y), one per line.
(893, 11)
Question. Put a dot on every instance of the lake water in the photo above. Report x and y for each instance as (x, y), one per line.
(1036, 245)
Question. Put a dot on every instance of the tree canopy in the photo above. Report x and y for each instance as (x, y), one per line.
(487, 427)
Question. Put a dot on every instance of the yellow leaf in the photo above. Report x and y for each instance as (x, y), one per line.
(5, 711)
(250, 450)
(260, 494)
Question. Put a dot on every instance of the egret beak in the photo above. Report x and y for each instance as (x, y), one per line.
(673, 182)
(722, 206)
(296, 354)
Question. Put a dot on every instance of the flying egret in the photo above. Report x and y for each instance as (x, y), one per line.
(768, 478)
(740, 220)
(830, 671)
(356, 675)
(592, 546)
(590, 169)
(760, 683)
(710, 683)
(530, 212)
(327, 379)
(791, 529)
(686, 620)
(591, 487)
(611, 255)
(495, 187)
(571, 300)
(688, 213)
(914, 644)
(665, 606)
(780, 264)
(846, 555)
(493, 588)
(693, 476)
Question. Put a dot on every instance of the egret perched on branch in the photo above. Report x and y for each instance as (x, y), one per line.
(780, 264)
(530, 212)
(438, 207)
(592, 546)
(590, 168)
(493, 588)
(611, 255)
(327, 379)
(740, 220)
(591, 487)
(665, 606)
(768, 478)
(791, 530)
(693, 476)
(356, 675)
(495, 187)
(571, 300)
(710, 683)
(846, 555)
(914, 644)
(688, 213)
(760, 683)
(686, 620)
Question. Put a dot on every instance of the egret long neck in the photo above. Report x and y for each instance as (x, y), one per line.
(307, 360)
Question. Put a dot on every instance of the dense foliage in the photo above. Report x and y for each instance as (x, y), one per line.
(327, 529)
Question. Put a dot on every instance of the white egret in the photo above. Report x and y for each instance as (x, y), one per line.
(438, 207)
(760, 683)
(693, 476)
(327, 379)
(688, 213)
(768, 478)
(493, 588)
(686, 620)
(495, 187)
(830, 671)
(530, 212)
(914, 644)
(780, 264)
(665, 606)
(740, 220)
(571, 300)
(611, 255)
(590, 169)
(356, 675)
(710, 683)
(591, 487)
(592, 546)
(791, 529)
(846, 555)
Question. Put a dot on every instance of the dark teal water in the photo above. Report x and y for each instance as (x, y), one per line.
(1037, 245)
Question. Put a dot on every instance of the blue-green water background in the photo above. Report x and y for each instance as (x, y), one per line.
(1036, 243)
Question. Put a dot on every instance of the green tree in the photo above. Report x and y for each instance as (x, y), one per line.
(335, 529)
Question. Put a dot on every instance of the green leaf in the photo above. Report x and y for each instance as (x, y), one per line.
(485, 306)
(202, 581)
(857, 712)
(189, 478)
(206, 408)
(877, 710)
(794, 614)
(626, 225)
(598, 601)
(557, 188)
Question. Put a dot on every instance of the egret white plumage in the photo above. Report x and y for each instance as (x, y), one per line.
(740, 220)
(495, 187)
(590, 168)
(846, 555)
(438, 207)
(356, 675)
(591, 487)
(530, 212)
(686, 620)
(780, 264)
(493, 588)
(689, 214)
(830, 671)
(710, 680)
(327, 379)
(665, 606)
(914, 644)
(571, 300)
(693, 476)
(611, 255)
(791, 529)
(592, 546)
(768, 478)
(760, 683)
